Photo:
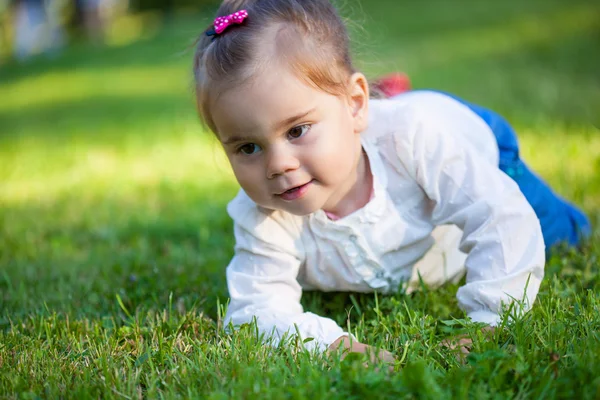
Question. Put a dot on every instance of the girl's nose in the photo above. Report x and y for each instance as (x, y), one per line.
(281, 160)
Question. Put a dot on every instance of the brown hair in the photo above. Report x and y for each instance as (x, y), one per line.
(308, 35)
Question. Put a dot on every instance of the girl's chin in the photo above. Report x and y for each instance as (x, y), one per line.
(300, 208)
(294, 207)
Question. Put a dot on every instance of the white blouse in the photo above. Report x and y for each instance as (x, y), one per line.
(434, 162)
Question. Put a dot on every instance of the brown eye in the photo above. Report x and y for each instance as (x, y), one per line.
(298, 131)
(249, 148)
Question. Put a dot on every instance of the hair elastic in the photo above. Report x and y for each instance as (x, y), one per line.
(222, 23)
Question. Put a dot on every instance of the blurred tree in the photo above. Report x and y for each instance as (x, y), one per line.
(29, 27)
(37, 28)
(91, 16)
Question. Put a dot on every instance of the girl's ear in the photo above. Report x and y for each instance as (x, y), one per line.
(358, 92)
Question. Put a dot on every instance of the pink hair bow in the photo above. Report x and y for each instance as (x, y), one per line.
(225, 22)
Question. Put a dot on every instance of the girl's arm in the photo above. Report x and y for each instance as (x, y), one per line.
(501, 233)
(262, 283)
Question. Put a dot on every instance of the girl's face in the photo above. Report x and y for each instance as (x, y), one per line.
(292, 147)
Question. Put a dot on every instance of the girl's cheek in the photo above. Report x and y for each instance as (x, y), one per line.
(246, 174)
(239, 160)
(324, 140)
(315, 135)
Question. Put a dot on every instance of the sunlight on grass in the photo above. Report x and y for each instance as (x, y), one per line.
(193, 158)
(501, 39)
(562, 151)
(56, 88)
(569, 159)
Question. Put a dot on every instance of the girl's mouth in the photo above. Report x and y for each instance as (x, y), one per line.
(295, 193)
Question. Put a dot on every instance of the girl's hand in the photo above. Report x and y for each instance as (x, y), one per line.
(464, 343)
(347, 346)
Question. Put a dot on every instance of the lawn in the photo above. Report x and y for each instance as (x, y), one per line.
(114, 236)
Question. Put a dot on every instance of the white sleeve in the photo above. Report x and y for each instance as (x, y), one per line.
(501, 233)
(262, 284)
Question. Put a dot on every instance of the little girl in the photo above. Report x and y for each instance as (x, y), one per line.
(340, 192)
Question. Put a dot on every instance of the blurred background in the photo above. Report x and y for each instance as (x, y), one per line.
(32, 27)
(108, 182)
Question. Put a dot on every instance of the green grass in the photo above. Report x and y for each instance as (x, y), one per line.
(114, 236)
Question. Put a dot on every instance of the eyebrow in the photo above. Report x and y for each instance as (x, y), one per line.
(278, 126)
(291, 120)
